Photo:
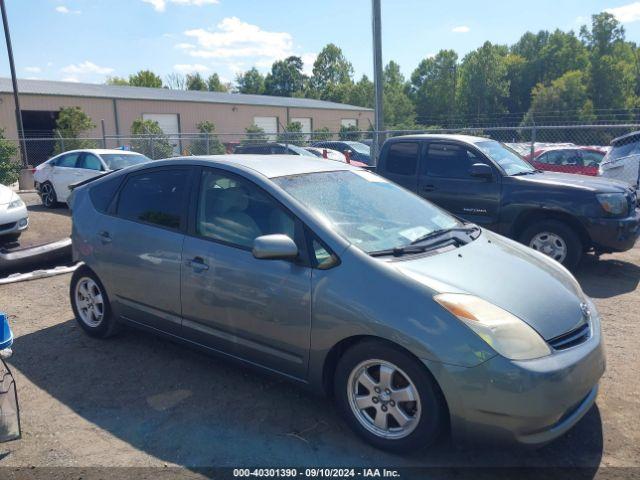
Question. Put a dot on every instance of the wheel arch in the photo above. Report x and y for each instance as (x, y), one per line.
(527, 218)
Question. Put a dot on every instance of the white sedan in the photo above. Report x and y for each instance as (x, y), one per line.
(13, 215)
(53, 177)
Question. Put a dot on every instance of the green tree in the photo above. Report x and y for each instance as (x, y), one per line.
(9, 164)
(362, 93)
(397, 106)
(214, 84)
(484, 86)
(71, 123)
(254, 134)
(150, 140)
(145, 78)
(207, 142)
(195, 81)
(433, 87)
(321, 134)
(349, 133)
(286, 78)
(292, 134)
(116, 81)
(330, 69)
(251, 81)
(566, 99)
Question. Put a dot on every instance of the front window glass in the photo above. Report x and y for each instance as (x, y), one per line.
(300, 151)
(624, 150)
(68, 161)
(359, 147)
(449, 161)
(509, 160)
(90, 162)
(235, 211)
(367, 210)
(116, 161)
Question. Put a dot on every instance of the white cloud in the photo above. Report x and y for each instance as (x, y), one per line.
(237, 39)
(191, 68)
(64, 10)
(33, 69)
(70, 79)
(626, 13)
(461, 29)
(161, 5)
(185, 46)
(308, 59)
(85, 68)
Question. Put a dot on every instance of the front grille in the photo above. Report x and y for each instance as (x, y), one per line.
(7, 226)
(571, 338)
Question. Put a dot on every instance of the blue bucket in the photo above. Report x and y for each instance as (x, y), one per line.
(6, 335)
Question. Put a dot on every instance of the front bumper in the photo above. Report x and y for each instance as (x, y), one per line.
(527, 402)
(614, 234)
(13, 221)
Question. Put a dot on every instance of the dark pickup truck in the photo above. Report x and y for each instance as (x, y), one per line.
(484, 182)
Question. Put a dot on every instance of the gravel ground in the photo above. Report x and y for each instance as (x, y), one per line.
(138, 400)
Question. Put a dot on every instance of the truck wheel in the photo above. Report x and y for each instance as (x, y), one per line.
(556, 240)
(388, 397)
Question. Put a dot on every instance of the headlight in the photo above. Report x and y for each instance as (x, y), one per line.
(505, 333)
(16, 203)
(613, 203)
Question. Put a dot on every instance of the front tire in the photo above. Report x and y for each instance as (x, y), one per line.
(388, 397)
(556, 240)
(48, 195)
(91, 305)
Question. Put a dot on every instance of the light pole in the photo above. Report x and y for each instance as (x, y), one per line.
(378, 79)
(7, 36)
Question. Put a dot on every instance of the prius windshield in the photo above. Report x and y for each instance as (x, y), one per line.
(509, 160)
(366, 209)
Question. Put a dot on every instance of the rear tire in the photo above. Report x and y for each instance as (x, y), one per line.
(555, 239)
(91, 305)
(402, 408)
(48, 195)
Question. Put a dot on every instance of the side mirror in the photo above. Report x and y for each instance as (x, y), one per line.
(274, 247)
(481, 170)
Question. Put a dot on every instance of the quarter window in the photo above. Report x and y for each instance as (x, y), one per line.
(402, 158)
(235, 211)
(449, 161)
(155, 197)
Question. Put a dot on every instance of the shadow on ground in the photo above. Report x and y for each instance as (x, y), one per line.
(607, 277)
(191, 409)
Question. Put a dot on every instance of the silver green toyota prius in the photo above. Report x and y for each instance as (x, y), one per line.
(338, 279)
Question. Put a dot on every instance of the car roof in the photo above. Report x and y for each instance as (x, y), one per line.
(99, 151)
(468, 139)
(270, 166)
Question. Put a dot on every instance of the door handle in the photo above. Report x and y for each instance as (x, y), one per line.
(105, 237)
(198, 265)
(428, 188)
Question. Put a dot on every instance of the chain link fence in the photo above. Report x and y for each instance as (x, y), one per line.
(530, 142)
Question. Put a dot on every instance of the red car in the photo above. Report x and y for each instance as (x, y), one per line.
(580, 160)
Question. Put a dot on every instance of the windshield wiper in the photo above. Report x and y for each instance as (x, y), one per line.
(527, 172)
(444, 231)
(399, 251)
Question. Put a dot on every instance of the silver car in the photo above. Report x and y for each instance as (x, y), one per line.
(344, 282)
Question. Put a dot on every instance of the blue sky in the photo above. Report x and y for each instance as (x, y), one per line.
(86, 40)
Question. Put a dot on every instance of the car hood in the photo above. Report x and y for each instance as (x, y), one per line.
(527, 284)
(573, 181)
(5, 194)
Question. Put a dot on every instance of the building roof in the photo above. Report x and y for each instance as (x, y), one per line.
(95, 90)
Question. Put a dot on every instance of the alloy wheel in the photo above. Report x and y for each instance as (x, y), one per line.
(550, 244)
(47, 194)
(384, 399)
(89, 302)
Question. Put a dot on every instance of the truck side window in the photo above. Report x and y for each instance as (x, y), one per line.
(402, 158)
(449, 161)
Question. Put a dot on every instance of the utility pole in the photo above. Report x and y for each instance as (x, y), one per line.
(378, 80)
(7, 36)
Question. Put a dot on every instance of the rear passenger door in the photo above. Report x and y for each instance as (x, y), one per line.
(445, 179)
(88, 166)
(143, 238)
(401, 164)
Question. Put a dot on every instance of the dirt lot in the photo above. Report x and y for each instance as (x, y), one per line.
(137, 400)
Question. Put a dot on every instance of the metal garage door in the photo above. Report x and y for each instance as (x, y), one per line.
(349, 122)
(170, 126)
(268, 124)
(306, 125)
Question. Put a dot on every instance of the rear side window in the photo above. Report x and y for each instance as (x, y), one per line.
(103, 192)
(90, 162)
(69, 160)
(449, 161)
(402, 158)
(155, 197)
